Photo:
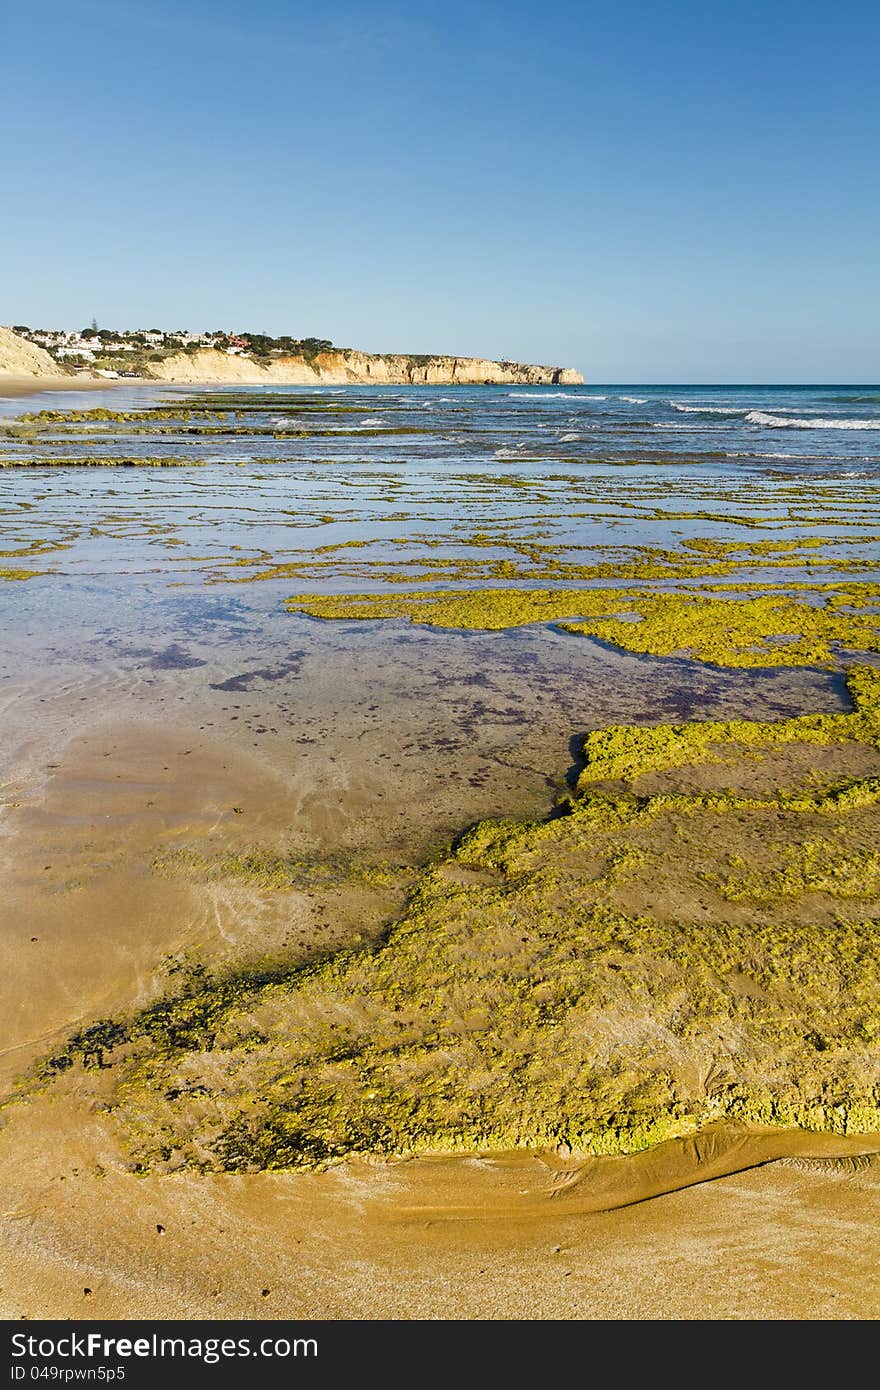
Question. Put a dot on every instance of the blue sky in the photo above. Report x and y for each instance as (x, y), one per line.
(649, 192)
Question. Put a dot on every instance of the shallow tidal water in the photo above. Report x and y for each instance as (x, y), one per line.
(156, 608)
(157, 694)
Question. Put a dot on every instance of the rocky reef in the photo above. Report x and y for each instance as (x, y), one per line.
(689, 938)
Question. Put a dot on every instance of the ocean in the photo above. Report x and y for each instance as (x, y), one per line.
(822, 429)
(814, 431)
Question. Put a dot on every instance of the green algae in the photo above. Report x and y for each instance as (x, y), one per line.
(535, 559)
(190, 420)
(193, 408)
(769, 630)
(24, 551)
(102, 461)
(817, 866)
(627, 751)
(273, 872)
(627, 970)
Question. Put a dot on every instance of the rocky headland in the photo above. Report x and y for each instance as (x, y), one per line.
(21, 359)
(340, 367)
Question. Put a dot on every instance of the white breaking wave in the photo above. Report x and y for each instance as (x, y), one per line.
(796, 422)
(568, 438)
(551, 395)
(372, 422)
(634, 400)
(800, 458)
(708, 409)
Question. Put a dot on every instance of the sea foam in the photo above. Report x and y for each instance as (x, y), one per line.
(706, 409)
(797, 422)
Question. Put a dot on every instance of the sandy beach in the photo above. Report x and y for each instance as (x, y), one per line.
(12, 387)
(778, 1225)
(465, 1238)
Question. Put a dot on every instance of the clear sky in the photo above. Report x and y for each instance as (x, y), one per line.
(681, 191)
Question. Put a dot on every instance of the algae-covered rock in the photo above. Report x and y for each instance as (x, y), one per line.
(627, 971)
(772, 629)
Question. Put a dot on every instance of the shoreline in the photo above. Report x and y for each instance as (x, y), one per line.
(506, 1236)
(11, 387)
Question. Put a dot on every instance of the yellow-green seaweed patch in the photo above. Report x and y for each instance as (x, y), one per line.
(627, 751)
(588, 980)
(273, 872)
(771, 629)
(10, 573)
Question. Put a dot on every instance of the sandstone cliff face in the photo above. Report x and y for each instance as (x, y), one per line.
(207, 365)
(19, 358)
(339, 368)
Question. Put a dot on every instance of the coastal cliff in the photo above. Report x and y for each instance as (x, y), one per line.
(19, 358)
(339, 367)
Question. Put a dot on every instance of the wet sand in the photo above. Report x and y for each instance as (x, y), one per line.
(12, 387)
(514, 1237)
(445, 1238)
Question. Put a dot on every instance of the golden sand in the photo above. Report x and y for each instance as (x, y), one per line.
(731, 1223)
